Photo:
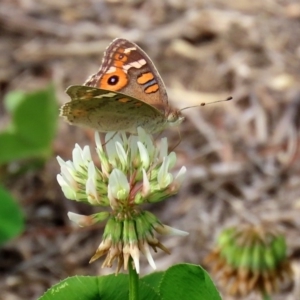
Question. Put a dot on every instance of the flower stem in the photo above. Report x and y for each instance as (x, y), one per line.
(266, 296)
(133, 282)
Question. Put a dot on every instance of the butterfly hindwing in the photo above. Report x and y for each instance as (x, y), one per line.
(104, 110)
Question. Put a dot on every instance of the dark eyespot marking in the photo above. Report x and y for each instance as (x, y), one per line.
(113, 80)
(121, 56)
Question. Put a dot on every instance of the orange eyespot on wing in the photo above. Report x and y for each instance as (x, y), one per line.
(120, 58)
(114, 80)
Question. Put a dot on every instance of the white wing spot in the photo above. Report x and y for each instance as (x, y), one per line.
(105, 95)
(136, 64)
(129, 49)
(126, 67)
(142, 62)
(112, 69)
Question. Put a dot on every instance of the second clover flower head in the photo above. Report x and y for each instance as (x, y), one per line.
(132, 171)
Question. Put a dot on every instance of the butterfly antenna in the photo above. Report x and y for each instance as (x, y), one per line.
(205, 103)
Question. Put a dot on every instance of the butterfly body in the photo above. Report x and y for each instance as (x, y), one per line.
(127, 92)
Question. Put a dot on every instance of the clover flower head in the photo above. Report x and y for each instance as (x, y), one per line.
(132, 171)
(251, 258)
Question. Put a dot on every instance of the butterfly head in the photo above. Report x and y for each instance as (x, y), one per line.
(175, 117)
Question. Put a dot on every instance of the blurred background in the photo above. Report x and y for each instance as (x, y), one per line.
(242, 156)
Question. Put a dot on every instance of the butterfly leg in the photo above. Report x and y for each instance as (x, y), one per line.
(180, 139)
(109, 139)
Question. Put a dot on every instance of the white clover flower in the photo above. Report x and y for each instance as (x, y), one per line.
(118, 185)
(144, 155)
(132, 171)
(164, 178)
(122, 156)
(81, 156)
(68, 189)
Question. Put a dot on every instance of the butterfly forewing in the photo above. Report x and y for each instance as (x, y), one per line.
(125, 93)
(135, 72)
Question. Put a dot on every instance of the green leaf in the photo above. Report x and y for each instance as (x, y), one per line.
(100, 288)
(15, 147)
(113, 287)
(89, 288)
(154, 280)
(32, 127)
(147, 292)
(186, 281)
(182, 281)
(11, 218)
(13, 100)
(75, 288)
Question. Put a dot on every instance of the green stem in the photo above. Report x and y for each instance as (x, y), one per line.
(133, 282)
(266, 296)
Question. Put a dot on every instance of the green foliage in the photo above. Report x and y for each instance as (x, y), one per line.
(183, 281)
(32, 127)
(29, 135)
(10, 216)
(252, 248)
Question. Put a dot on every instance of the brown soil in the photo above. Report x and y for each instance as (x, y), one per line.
(242, 156)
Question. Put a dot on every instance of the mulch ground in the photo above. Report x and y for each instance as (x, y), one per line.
(242, 156)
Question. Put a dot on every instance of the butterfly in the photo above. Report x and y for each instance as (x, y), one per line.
(126, 92)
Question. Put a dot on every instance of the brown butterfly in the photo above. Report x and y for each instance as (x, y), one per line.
(126, 92)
